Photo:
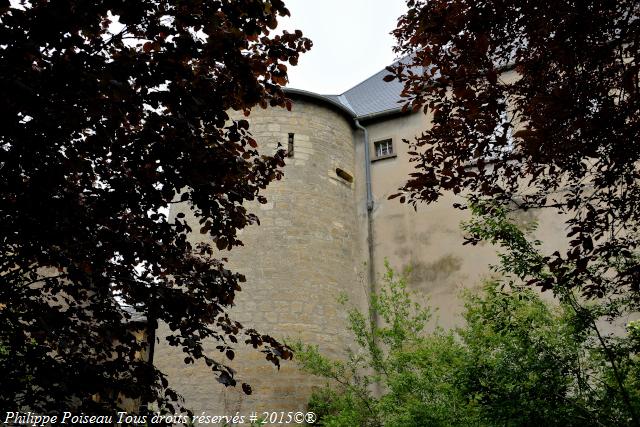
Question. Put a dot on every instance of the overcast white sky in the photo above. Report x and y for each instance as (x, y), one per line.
(351, 41)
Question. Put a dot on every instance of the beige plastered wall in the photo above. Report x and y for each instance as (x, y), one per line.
(429, 240)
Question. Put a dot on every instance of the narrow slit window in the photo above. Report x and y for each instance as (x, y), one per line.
(383, 148)
(344, 175)
(290, 146)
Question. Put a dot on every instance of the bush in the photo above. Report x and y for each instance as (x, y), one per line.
(413, 368)
(518, 361)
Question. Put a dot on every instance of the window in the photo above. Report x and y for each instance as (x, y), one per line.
(344, 175)
(384, 148)
(290, 146)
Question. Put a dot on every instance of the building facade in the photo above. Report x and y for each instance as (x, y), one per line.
(327, 228)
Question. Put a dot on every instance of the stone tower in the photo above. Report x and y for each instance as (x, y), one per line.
(306, 251)
(328, 228)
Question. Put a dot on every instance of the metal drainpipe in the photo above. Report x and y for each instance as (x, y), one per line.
(367, 172)
(377, 389)
(152, 325)
(367, 166)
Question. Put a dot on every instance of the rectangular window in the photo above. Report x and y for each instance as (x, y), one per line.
(290, 146)
(383, 148)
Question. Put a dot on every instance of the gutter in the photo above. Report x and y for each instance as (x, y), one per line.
(305, 93)
(343, 106)
(384, 113)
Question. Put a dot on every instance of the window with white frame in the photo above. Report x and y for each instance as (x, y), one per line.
(384, 148)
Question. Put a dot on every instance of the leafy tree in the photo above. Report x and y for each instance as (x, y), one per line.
(608, 359)
(413, 370)
(517, 361)
(111, 111)
(535, 105)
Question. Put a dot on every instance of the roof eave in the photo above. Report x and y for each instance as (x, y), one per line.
(343, 108)
(380, 114)
(313, 95)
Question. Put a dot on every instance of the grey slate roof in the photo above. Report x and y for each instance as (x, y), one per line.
(370, 97)
(373, 95)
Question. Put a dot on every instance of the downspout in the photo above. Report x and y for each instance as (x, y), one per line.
(367, 174)
(152, 325)
(367, 167)
(377, 388)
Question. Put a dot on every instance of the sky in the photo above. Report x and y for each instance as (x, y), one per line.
(351, 41)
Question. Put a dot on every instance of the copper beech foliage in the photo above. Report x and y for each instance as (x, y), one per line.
(535, 105)
(102, 128)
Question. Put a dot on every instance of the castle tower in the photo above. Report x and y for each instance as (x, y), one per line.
(327, 229)
(306, 251)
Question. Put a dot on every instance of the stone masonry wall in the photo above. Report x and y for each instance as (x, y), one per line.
(302, 256)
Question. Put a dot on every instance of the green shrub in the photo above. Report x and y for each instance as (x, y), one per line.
(516, 362)
(412, 369)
